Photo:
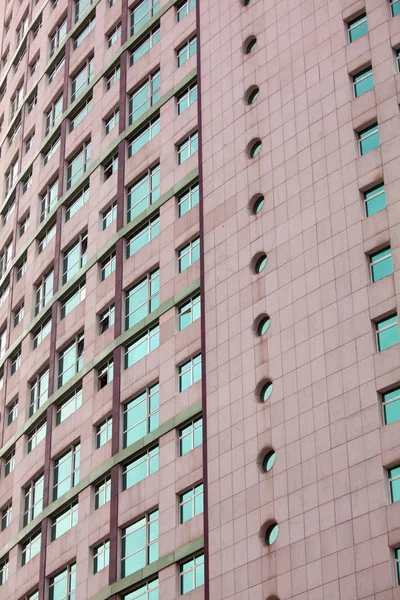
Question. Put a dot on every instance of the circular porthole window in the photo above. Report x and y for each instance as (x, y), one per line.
(259, 262)
(266, 390)
(256, 203)
(252, 94)
(253, 149)
(271, 534)
(262, 324)
(268, 461)
(246, 2)
(249, 44)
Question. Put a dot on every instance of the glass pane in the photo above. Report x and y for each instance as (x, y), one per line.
(395, 489)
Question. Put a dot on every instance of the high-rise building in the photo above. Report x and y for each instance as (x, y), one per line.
(199, 340)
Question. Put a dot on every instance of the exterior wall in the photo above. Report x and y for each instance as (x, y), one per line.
(328, 489)
(176, 473)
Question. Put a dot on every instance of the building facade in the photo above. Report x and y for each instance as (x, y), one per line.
(199, 341)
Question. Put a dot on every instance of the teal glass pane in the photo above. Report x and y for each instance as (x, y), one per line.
(358, 28)
(199, 501)
(272, 534)
(390, 336)
(397, 570)
(363, 82)
(375, 200)
(135, 473)
(260, 264)
(269, 461)
(198, 435)
(153, 552)
(255, 149)
(381, 264)
(395, 6)
(391, 406)
(154, 463)
(266, 391)
(395, 489)
(199, 572)
(186, 582)
(258, 204)
(185, 445)
(369, 139)
(186, 512)
(263, 326)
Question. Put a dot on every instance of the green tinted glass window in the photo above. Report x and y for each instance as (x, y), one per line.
(191, 503)
(394, 483)
(391, 406)
(369, 139)
(192, 574)
(381, 264)
(387, 332)
(375, 200)
(358, 27)
(363, 82)
(395, 7)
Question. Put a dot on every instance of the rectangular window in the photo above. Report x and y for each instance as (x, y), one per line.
(105, 374)
(77, 203)
(145, 96)
(62, 586)
(48, 200)
(3, 571)
(387, 332)
(102, 492)
(395, 7)
(5, 258)
(29, 141)
(189, 254)
(12, 412)
(141, 467)
(15, 361)
(148, 591)
(398, 56)
(39, 392)
(9, 210)
(50, 150)
(31, 547)
(369, 139)
(140, 544)
(110, 166)
(397, 564)
(381, 264)
(109, 216)
(107, 318)
(41, 333)
(18, 314)
(53, 114)
(112, 121)
(72, 301)
(101, 556)
(33, 499)
(144, 136)
(26, 182)
(70, 360)
(192, 574)
(114, 35)
(188, 147)
(82, 79)
(394, 483)
(358, 27)
(32, 101)
(9, 462)
(391, 406)
(74, 258)
(3, 341)
(143, 236)
(83, 33)
(142, 12)
(184, 8)
(188, 97)
(23, 225)
(187, 50)
(191, 503)
(68, 406)
(64, 521)
(21, 270)
(191, 436)
(44, 291)
(189, 372)
(104, 432)
(143, 193)
(108, 266)
(112, 77)
(78, 165)
(78, 116)
(36, 436)
(189, 312)
(6, 515)
(145, 45)
(141, 415)
(142, 299)
(58, 37)
(142, 346)
(363, 82)
(66, 471)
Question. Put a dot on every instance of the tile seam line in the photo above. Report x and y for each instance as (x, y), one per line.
(117, 460)
(123, 339)
(128, 131)
(107, 248)
(126, 46)
(203, 311)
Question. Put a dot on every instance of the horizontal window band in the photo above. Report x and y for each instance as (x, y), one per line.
(118, 459)
(105, 250)
(121, 340)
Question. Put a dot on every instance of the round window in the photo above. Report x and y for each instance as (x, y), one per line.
(249, 44)
(263, 326)
(266, 391)
(271, 534)
(268, 461)
(260, 263)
